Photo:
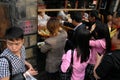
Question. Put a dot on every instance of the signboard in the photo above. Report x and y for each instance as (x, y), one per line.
(29, 26)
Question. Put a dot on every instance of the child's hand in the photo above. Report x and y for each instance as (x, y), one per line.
(32, 71)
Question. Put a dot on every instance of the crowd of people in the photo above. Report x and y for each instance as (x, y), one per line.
(95, 46)
(91, 41)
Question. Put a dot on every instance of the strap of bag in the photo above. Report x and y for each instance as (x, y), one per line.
(10, 65)
(72, 57)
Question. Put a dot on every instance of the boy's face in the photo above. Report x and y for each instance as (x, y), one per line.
(15, 45)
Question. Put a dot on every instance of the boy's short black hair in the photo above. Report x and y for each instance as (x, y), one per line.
(14, 33)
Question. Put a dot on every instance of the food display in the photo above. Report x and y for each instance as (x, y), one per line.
(43, 32)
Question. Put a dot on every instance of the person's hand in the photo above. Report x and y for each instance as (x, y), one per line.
(32, 71)
(99, 57)
(92, 28)
(29, 66)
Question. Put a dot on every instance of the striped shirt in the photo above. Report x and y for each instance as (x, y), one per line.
(18, 64)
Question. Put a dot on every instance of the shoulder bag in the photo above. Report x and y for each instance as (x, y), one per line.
(67, 75)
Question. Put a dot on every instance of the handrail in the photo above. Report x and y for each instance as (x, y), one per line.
(64, 9)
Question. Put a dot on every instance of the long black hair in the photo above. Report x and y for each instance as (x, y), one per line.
(81, 43)
(101, 31)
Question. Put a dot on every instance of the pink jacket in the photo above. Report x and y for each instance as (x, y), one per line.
(78, 68)
(97, 46)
